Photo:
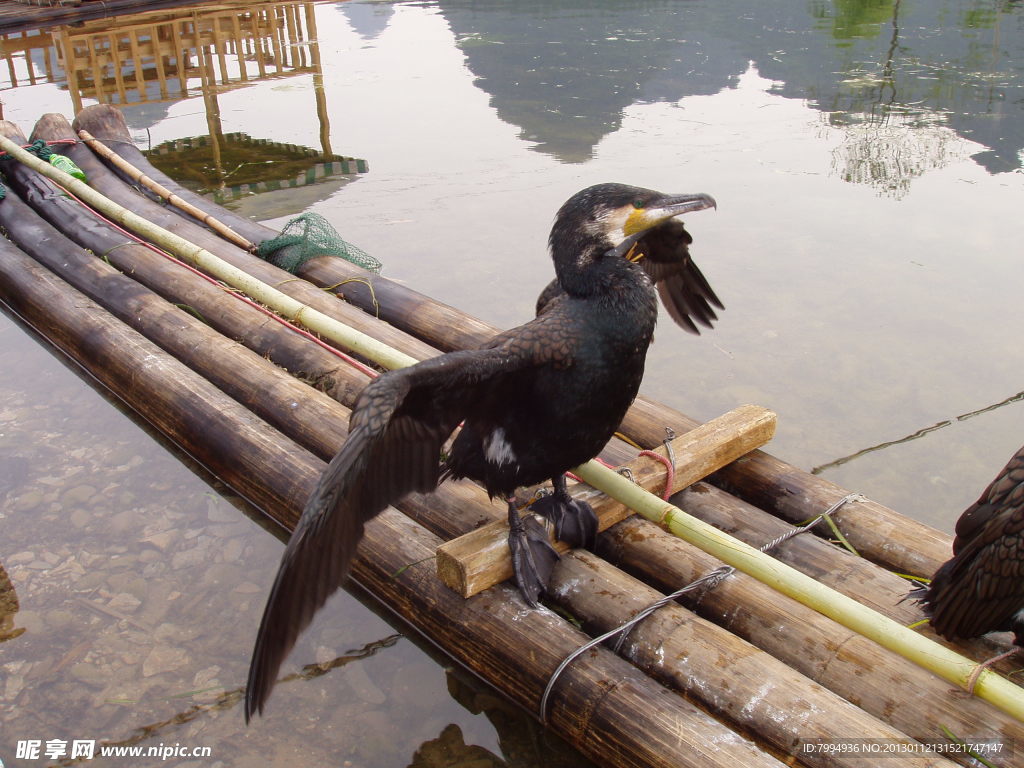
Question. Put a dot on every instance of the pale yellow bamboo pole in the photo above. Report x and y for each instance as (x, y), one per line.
(890, 634)
(917, 648)
(138, 176)
(280, 302)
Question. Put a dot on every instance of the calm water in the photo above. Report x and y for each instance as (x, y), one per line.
(867, 159)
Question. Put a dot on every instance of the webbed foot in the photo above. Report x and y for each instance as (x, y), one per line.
(575, 521)
(533, 557)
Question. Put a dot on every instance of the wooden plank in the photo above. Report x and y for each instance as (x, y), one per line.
(478, 560)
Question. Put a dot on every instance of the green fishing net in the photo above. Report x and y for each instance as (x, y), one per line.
(306, 237)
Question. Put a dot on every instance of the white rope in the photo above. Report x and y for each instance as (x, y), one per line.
(708, 581)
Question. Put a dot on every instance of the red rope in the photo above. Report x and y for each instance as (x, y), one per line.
(670, 472)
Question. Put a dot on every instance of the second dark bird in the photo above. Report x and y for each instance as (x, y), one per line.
(981, 589)
(534, 402)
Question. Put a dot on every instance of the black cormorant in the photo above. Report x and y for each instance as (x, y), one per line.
(534, 402)
(981, 589)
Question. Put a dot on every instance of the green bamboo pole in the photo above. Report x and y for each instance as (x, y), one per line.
(282, 303)
(919, 649)
(890, 634)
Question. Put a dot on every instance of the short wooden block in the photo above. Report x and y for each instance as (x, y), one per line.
(480, 559)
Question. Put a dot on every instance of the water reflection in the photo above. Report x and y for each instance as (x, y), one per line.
(888, 153)
(564, 72)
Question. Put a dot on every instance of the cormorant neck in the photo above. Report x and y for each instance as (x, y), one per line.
(581, 266)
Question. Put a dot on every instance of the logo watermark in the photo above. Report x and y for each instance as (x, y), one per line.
(88, 749)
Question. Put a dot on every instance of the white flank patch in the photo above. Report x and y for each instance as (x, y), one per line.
(497, 450)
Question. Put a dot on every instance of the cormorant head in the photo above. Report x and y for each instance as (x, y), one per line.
(608, 219)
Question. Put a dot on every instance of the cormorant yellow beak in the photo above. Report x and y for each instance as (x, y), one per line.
(652, 213)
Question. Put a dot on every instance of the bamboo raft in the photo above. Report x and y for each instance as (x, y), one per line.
(739, 674)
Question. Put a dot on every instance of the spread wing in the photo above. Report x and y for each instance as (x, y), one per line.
(397, 428)
(982, 587)
(685, 292)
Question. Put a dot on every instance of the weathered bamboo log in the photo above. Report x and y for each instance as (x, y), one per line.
(106, 123)
(477, 560)
(876, 531)
(101, 179)
(880, 682)
(635, 722)
(162, 193)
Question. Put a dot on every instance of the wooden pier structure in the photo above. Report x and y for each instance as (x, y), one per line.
(739, 674)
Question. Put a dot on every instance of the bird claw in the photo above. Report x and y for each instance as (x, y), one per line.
(533, 557)
(575, 521)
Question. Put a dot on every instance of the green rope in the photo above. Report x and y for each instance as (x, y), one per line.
(40, 150)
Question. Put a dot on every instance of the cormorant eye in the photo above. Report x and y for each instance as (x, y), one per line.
(639, 204)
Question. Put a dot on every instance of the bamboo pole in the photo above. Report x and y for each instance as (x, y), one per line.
(635, 722)
(139, 177)
(203, 259)
(109, 185)
(479, 559)
(846, 611)
(106, 123)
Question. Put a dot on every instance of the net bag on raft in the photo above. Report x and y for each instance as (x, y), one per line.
(308, 236)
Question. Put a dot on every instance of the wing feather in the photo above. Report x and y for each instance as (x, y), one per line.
(982, 587)
(685, 292)
(397, 428)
